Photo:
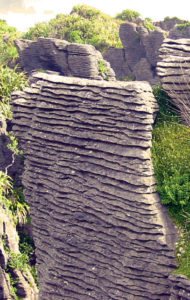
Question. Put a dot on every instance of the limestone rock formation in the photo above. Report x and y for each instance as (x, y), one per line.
(169, 23)
(140, 53)
(174, 70)
(69, 59)
(180, 287)
(99, 228)
(116, 56)
(133, 48)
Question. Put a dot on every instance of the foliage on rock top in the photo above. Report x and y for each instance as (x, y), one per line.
(182, 27)
(128, 15)
(85, 25)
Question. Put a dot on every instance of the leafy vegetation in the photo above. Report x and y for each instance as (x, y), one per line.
(11, 196)
(128, 15)
(85, 25)
(10, 80)
(8, 51)
(149, 25)
(171, 158)
(174, 18)
(182, 27)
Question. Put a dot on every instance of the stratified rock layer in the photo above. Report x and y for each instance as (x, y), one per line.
(137, 60)
(174, 70)
(69, 59)
(99, 228)
(180, 287)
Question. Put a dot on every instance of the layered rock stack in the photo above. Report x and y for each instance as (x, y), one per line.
(99, 228)
(174, 70)
(68, 59)
(138, 58)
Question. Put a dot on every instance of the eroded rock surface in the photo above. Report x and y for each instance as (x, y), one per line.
(139, 56)
(69, 59)
(180, 287)
(99, 228)
(174, 70)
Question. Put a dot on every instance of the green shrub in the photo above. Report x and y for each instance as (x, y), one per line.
(86, 11)
(18, 261)
(102, 67)
(85, 25)
(128, 15)
(10, 80)
(171, 144)
(149, 25)
(12, 198)
(182, 27)
(39, 30)
(171, 155)
(171, 159)
(8, 51)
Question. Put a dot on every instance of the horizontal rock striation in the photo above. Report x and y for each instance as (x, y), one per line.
(174, 70)
(180, 287)
(69, 59)
(99, 228)
(138, 58)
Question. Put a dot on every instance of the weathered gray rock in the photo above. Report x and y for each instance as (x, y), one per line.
(99, 228)
(133, 48)
(173, 69)
(117, 59)
(179, 33)
(169, 23)
(69, 59)
(143, 70)
(180, 287)
(140, 53)
(152, 43)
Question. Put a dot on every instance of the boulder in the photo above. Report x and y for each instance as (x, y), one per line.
(78, 60)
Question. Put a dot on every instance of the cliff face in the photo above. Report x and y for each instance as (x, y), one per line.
(99, 228)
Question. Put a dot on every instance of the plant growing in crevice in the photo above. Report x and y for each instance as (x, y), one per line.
(103, 69)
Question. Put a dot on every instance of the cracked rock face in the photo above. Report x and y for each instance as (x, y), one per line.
(173, 68)
(99, 228)
(68, 59)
